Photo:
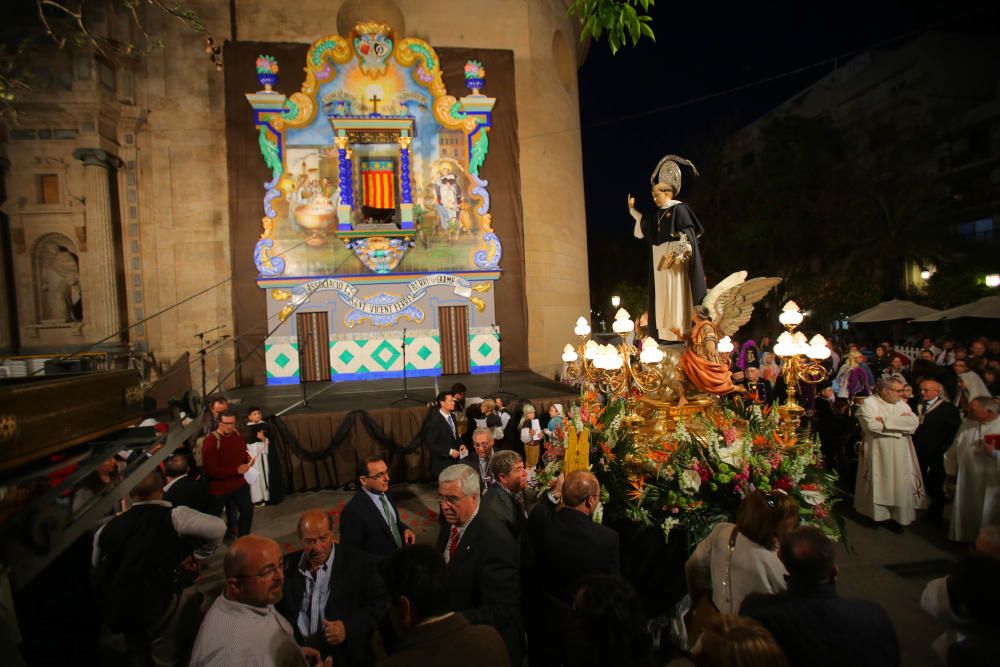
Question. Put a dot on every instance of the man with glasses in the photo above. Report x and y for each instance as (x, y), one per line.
(225, 461)
(243, 627)
(889, 485)
(370, 520)
(483, 559)
(333, 597)
(483, 443)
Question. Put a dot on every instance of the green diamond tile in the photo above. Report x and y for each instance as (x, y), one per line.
(385, 354)
(423, 352)
(282, 360)
(485, 349)
(346, 356)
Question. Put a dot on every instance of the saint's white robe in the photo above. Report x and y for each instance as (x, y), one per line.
(889, 484)
(978, 484)
(671, 286)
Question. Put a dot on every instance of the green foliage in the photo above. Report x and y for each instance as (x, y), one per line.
(622, 20)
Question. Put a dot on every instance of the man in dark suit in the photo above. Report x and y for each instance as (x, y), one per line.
(370, 520)
(533, 567)
(333, 597)
(939, 422)
(183, 490)
(482, 558)
(441, 435)
(814, 626)
(417, 580)
(506, 499)
(581, 548)
(481, 458)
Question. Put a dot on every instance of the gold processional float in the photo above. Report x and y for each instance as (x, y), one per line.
(662, 386)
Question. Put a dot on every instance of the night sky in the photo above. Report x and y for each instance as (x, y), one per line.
(707, 47)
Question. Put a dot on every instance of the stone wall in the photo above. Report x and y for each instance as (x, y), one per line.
(166, 125)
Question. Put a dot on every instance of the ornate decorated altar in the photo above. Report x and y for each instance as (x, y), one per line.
(376, 218)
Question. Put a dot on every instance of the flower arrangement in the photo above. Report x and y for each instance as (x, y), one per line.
(267, 64)
(696, 476)
(267, 71)
(475, 75)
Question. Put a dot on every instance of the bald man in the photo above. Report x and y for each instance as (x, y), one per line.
(243, 627)
(580, 547)
(939, 422)
(333, 596)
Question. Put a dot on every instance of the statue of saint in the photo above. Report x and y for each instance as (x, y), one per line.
(60, 284)
(676, 278)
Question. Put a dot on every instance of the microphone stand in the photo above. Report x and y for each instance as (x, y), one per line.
(406, 396)
(203, 352)
(501, 393)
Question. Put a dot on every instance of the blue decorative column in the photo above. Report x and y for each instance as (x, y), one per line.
(406, 203)
(346, 203)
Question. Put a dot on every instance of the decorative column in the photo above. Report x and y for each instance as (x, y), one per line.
(346, 204)
(406, 204)
(102, 301)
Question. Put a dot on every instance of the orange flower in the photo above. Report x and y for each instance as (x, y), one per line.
(638, 488)
(759, 440)
(785, 441)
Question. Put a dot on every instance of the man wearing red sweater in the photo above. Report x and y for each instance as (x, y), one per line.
(224, 461)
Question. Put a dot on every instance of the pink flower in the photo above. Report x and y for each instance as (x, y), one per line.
(730, 435)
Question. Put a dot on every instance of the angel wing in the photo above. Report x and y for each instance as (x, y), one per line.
(734, 306)
(723, 286)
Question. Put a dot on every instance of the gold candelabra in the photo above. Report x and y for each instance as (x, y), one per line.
(618, 371)
(800, 362)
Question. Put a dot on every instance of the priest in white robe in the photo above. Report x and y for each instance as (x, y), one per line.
(972, 466)
(889, 485)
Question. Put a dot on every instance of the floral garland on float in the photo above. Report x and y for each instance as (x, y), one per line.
(670, 455)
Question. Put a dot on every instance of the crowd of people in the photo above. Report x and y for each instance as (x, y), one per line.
(526, 576)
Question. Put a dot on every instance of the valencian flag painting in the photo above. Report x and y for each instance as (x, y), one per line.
(378, 184)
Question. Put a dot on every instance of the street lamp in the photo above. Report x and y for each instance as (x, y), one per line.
(616, 301)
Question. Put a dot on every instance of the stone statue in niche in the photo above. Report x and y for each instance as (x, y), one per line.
(58, 272)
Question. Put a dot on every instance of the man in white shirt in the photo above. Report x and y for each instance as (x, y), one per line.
(889, 484)
(973, 470)
(243, 627)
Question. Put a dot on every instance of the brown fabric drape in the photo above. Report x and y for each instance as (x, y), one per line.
(247, 174)
(315, 431)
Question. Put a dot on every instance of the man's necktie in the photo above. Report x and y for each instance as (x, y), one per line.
(452, 543)
(451, 422)
(387, 511)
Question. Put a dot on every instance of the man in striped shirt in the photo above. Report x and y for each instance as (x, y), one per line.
(243, 627)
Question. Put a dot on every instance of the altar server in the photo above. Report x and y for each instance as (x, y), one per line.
(889, 485)
(971, 465)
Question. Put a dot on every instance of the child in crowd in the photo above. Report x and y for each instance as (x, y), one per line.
(257, 437)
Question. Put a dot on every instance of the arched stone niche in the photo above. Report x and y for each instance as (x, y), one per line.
(55, 261)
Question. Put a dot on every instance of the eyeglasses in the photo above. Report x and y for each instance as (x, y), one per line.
(268, 572)
(451, 500)
(379, 475)
(772, 502)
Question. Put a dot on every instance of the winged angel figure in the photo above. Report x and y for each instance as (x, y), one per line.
(726, 308)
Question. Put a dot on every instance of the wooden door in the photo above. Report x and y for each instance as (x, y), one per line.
(453, 323)
(314, 346)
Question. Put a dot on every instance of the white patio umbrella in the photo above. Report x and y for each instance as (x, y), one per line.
(888, 311)
(988, 307)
